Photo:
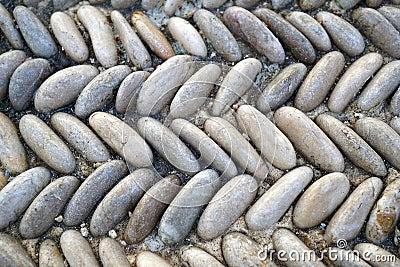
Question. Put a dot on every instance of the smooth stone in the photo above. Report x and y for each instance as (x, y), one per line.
(112, 254)
(235, 84)
(150, 208)
(392, 14)
(381, 137)
(311, 29)
(246, 3)
(347, 38)
(152, 36)
(69, 37)
(282, 87)
(9, 29)
(273, 204)
(124, 140)
(352, 145)
(374, 255)
(134, 47)
(128, 89)
(121, 4)
(101, 35)
(212, 4)
(49, 255)
(160, 87)
(12, 152)
(171, 6)
(168, 145)
(77, 250)
(395, 124)
(79, 136)
(227, 206)
(148, 259)
(348, 4)
(320, 200)
(196, 257)
(353, 80)
(52, 94)
(378, 29)
(194, 92)
(39, 217)
(120, 200)
(9, 61)
(267, 138)
(187, 36)
(46, 144)
(252, 30)
(319, 81)
(311, 4)
(309, 139)
(280, 4)
(64, 4)
(347, 258)
(186, 207)
(395, 103)
(240, 150)
(99, 92)
(95, 186)
(16, 196)
(25, 80)
(218, 34)
(373, 3)
(12, 253)
(348, 220)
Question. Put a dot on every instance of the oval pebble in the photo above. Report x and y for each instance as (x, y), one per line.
(309, 139)
(49, 255)
(213, 4)
(376, 256)
(95, 186)
(121, 4)
(128, 89)
(16, 196)
(64, 4)
(12, 252)
(353, 80)
(186, 207)
(320, 200)
(196, 257)
(395, 124)
(348, 220)
(147, 258)
(46, 144)
(112, 254)
(392, 14)
(282, 87)
(9, 61)
(52, 95)
(311, 4)
(273, 204)
(395, 103)
(171, 6)
(40, 215)
(9, 29)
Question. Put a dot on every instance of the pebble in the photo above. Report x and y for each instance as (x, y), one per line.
(227, 206)
(373, 3)
(352, 145)
(101, 35)
(168, 145)
(39, 217)
(319, 81)
(49, 255)
(210, 152)
(52, 95)
(246, 3)
(282, 87)
(150, 4)
(187, 36)
(171, 6)
(395, 103)
(120, 200)
(121, 4)
(320, 200)
(147, 258)
(279, 4)
(186, 207)
(376, 256)
(195, 91)
(378, 29)
(349, 218)
(77, 250)
(64, 4)
(9, 61)
(273, 204)
(347, 258)
(12, 252)
(353, 80)
(134, 47)
(235, 84)
(124, 140)
(95, 186)
(240, 150)
(46, 144)
(150, 208)
(347, 38)
(128, 89)
(252, 30)
(309, 139)
(112, 254)
(16, 196)
(79, 136)
(218, 34)
(311, 4)
(160, 87)
(9, 29)
(152, 36)
(12, 152)
(99, 92)
(213, 4)
(69, 37)
(392, 14)
(348, 4)
(381, 137)
(25, 80)
(395, 124)
(196, 257)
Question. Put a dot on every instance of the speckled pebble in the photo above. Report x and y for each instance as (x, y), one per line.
(12, 252)
(49, 255)
(112, 254)
(128, 89)
(9, 61)
(147, 259)
(9, 29)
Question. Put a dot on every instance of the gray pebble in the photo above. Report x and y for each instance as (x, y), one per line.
(112, 254)
(280, 4)
(9, 61)
(348, 4)
(128, 89)
(246, 3)
(212, 4)
(171, 6)
(12, 253)
(374, 255)
(395, 124)
(149, 259)
(395, 103)
(9, 29)
(311, 4)
(196, 257)
(35, 33)
(373, 3)
(49, 255)
(39, 217)
(121, 4)
(16, 196)
(64, 4)
(95, 186)
(392, 14)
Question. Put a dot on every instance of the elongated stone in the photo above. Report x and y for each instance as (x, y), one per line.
(147, 258)
(392, 14)
(49, 255)
(9, 29)
(196, 257)
(311, 4)
(395, 103)
(121, 4)
(77, 250)
(9, 61)
(395, 124)
(171, 6)
(112, 254)
(129, 89)
(374, 255)
(213, 4)
(12, 253)
(64, 4)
